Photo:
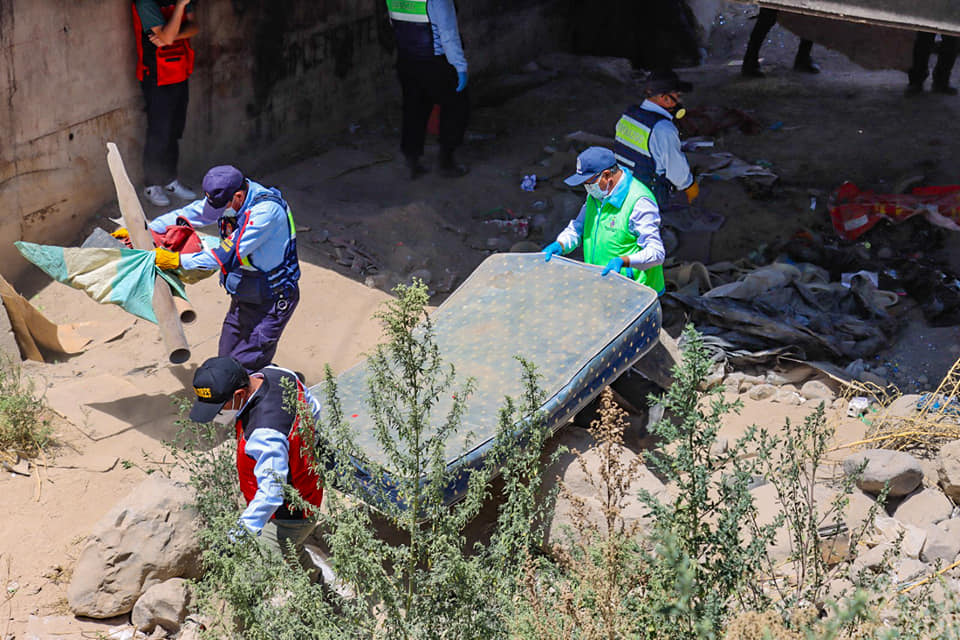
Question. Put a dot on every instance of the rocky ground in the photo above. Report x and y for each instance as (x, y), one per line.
(366, 227)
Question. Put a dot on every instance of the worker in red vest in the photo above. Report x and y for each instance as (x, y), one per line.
(272, 447)
(164, 63)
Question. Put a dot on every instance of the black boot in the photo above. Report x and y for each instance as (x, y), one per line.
(415, 167)
(805, 65)
(751, 68)
(449, 168)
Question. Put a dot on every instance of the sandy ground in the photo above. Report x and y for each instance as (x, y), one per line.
(844, 124)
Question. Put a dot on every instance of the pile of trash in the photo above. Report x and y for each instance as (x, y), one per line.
(784, 307)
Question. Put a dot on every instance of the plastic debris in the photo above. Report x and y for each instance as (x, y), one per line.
(529, 182)
(858, 406)
(518, 226)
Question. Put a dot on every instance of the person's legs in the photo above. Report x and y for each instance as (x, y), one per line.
(160, 108)
(416, 112)
(922, 47)
(251, 332)
(803, 62)
(277, 536)
(454, 111)
(751, 59)
(944, 67)
(179, 97)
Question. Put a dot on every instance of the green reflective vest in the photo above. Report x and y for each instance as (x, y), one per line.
(606, 234)
(408, 10)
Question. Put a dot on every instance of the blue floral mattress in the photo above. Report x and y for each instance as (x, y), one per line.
(579, 329)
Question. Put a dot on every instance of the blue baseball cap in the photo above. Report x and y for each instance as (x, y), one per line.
(591, 162)
(214, 383)
(219, 185)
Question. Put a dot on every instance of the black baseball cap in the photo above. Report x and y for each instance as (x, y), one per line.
(665, 81)
(214, 383)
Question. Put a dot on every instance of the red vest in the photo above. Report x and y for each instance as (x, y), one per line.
(268, 413)
(170, 64)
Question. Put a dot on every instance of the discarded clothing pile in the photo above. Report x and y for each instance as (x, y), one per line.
(721, 165)
(855, 211)
(783, 307)
(935, 289)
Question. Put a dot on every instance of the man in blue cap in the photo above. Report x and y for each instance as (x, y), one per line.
(257, 260)
(619, 224)
(648, 143)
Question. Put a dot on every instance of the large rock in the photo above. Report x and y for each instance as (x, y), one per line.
(569, 472)
(949, 469)
(902, 470)
(943, 542)
(163, 605)
(817, 390)
(924, 508)
(148, 537)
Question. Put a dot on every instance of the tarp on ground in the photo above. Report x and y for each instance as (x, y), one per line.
(579, 329)
(124, 277)
(855, 211)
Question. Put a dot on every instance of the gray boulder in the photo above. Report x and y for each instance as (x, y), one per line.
(817, 390)
(902, 470)
(148, 537)
(948, 470)
(924, 508)
(163, 605)
(943, 542)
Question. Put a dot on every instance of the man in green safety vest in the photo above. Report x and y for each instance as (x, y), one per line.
(433, 71)
(618, 225)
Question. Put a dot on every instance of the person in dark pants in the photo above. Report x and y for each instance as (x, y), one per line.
(432, 70)
(922, 48)
(751, 59)
(257, 260)
(164, 63)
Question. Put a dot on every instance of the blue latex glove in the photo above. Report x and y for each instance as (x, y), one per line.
(552, 249)
(461, 81)
(614, 265)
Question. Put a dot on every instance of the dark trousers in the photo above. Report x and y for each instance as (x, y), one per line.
(765, 21)
(922, 48)
(425, 83)
(251, 332)
(166, 118)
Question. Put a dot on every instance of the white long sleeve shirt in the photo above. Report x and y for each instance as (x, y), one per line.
(644, 223)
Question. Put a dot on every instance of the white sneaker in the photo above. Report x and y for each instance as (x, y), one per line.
(180, 191)
(156, 195)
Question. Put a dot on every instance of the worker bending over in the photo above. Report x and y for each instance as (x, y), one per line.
(619, 224)
(257, 260)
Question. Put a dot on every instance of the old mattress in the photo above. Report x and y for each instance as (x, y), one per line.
(581, 331)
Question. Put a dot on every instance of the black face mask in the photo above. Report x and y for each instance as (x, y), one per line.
(678, 110)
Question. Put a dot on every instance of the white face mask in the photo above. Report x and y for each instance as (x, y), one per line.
(226, 416)
(595, 191)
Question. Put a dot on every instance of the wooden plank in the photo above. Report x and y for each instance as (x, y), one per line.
(168, 317)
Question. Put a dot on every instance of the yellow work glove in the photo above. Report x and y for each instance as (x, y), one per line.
(121, 233)
(692, 192)
(166, 260)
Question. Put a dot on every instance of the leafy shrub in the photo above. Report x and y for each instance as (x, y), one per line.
(24, 429)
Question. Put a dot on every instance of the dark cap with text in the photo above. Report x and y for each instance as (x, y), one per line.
(214, 383)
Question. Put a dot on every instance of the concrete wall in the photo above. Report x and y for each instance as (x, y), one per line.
(274, 78)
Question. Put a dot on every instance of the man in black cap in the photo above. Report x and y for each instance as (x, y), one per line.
(648, 143)
(257, 260)
(271, 448)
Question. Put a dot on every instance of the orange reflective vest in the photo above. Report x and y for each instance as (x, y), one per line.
(170, 64)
